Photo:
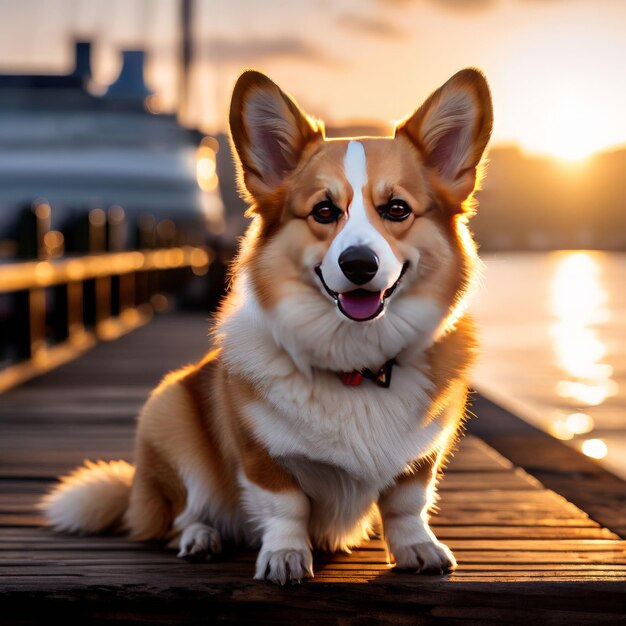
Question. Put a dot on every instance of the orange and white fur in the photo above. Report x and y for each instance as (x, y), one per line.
(358, 254)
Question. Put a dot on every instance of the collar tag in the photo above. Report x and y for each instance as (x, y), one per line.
(382, 377)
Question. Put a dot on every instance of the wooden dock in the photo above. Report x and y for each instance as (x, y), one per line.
(525, 553)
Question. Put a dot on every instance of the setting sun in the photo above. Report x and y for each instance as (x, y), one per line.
(569, 128)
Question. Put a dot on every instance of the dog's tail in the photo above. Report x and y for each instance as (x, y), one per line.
(90, 500)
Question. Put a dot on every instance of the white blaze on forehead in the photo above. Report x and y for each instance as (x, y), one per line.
(359, 231)
(355, 167)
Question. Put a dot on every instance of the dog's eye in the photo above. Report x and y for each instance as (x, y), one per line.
(395, 210)
(325, 212)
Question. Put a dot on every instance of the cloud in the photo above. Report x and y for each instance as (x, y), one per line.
(257, 49)
(370, 26)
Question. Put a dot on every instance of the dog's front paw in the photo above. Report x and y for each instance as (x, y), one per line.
(199, 541)
(281, 566)
(426, 557)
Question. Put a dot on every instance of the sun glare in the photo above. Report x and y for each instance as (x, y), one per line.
(569, 129)
(560, 101)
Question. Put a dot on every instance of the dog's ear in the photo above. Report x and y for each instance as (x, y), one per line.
(269, 132)
(451, 130)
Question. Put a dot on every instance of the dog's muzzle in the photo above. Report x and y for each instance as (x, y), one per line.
(361, 305)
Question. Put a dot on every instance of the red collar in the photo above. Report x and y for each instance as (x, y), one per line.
(382, 377)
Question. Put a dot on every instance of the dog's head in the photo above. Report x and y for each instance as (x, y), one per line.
(359, 247)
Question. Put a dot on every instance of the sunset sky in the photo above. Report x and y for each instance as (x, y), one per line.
(557, 68)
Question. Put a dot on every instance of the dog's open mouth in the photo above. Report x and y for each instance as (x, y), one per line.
(361, 305)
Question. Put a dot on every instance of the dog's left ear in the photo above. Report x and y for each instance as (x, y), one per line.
(269, 132)
(451, 130)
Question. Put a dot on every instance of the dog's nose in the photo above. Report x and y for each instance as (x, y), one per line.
(359, 264)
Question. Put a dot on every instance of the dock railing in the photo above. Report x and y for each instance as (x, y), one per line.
(57, 305)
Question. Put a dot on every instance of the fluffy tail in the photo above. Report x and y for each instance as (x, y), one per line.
(90, 500)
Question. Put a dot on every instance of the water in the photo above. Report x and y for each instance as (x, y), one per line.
(553, 333)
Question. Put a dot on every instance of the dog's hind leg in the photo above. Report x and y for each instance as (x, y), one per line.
(156, 495)
(192, 534)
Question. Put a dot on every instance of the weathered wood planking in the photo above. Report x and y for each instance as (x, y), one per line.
(524, 551)
(580, 479)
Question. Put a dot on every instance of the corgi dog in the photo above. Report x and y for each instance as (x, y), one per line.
(337, 381)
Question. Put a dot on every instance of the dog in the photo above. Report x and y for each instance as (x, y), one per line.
(338, 379)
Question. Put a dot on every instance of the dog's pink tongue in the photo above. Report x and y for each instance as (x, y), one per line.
(360, 304)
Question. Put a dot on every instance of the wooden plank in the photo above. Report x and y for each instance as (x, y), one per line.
(105, 557)
(495, 518)
(479, 480)
(529, 553)
(580, 479)
(489, 521)
(443, 532)
(389, 592)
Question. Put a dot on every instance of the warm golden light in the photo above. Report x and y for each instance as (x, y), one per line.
(206, 168)
(560, 430)
(53, 244)
(42, 211)
(589, 395)
(564, 144)
(595, 448)
(566, 123)
(564, 426)
(206, 165)
(43, 271)
(577, 296)
(579, 305)
(580, 423)
(97, 217)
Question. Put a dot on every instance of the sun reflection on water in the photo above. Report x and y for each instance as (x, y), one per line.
(579, 307)
(595, 448)
(565, 426)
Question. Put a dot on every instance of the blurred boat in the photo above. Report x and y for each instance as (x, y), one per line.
(62, 142)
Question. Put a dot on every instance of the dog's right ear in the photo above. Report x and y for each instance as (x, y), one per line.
(451, 130)
(269, 133)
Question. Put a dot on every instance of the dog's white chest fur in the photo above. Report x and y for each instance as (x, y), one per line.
(367, 431)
